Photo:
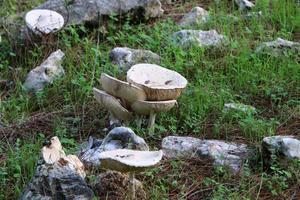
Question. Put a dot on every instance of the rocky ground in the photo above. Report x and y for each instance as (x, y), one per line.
(233, 134)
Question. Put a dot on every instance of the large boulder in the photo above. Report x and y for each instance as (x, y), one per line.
(286, 147)
(45, 74)
(279, 47)
(189, 38)
(114, 185)
(223, 153)
(125, 57)
(117, 138)
(82, 11)
(195, 17)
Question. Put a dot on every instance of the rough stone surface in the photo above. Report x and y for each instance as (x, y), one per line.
(196, 16)
(46, 73)
(57, 181)
(125, 57)
(117, 138)
(114, 185)
(173, 146)
(278, 47)
(188, 38)
(240, 107)
(244, 4)
(82, 11)
(283, 146)
(223, 153)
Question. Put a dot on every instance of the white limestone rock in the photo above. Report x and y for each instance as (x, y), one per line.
(117, 138)
(174, 146)
(126, 57)
(45, 74)
(195, 17)
(279, 47)
(244, 4)
(223, 153)
(188, 38)
(286, 146)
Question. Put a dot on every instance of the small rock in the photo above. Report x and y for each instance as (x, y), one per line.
(173, 146)
(57, 176)
(283, 146)
(90, 144)
(117, 138)
(188, 38)
(49, 71)
(196, 16)
(114, 185)
(278, 47)
(60, 180)
(81, 11)
(126, 57)
(223, 153)
(244, 4)
(240, 107)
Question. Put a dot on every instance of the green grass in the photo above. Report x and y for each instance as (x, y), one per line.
(217, 76)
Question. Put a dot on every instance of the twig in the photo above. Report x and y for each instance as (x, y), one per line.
(260, 185)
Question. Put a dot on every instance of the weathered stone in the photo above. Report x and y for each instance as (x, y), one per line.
(173, 146)
(82, 11)
(244, 4)
(60, 180)
(279, 47)
(49, 71)
(57, 176)
(281, 146)
(125, 57)
(90, 144)
(223, 153)
(188, 38)
(240, 107)
(117, 138)
(195, 17)
(114, 185)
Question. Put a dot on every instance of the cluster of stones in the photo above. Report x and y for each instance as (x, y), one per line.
(188, 37)
(228, 154)
(62, 176)
(53, 15)
(150, 89)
